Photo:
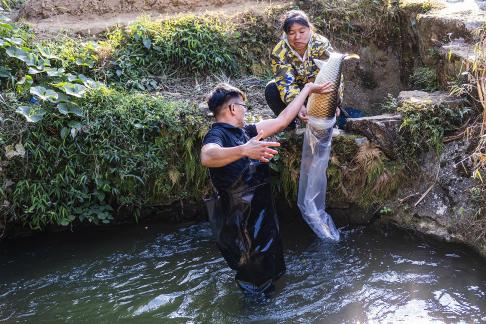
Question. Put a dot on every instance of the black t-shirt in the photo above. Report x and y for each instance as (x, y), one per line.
(226, 135)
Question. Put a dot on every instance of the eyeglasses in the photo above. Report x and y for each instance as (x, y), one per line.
(243, 105)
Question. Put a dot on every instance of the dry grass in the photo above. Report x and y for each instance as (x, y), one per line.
(473, 228)
(479, 71)
(195, 90)
(370, 180)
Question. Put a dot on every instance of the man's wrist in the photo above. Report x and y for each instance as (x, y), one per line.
(242, 151)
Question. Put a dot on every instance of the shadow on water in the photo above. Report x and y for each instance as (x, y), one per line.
(141, 274)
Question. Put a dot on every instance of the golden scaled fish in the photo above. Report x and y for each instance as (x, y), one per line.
(324, 105)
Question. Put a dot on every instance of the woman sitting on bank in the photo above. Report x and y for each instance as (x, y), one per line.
(293, 61)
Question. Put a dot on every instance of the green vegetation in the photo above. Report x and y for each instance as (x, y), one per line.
(119, 157)
(11, 4)
(360, 174)
(419, 6)
(351, 22)
(186, 45)
(76, 150)
(424, 126)
(424, 78)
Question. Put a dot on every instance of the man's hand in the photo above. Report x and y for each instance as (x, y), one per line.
(259, 150)
(303, 114)
(320, 88)
(314, 88)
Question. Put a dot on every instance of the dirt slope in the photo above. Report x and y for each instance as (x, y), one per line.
(93, 16)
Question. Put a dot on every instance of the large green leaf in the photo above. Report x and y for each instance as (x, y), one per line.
(32, 115)
(53, 72)
(147, 42)
(92, 84)
(41, 63)
(81, 78)
(75, 124)
(21, 54)
(15, 40)
(44, 94)
(64, 132)
(73, 89)
(69, 108)
(5, 72)
(47, 53)
(33, 71)
(85, 62)
(75, 128)
(24, 84)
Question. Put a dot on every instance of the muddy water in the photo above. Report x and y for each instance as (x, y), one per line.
(155, 274)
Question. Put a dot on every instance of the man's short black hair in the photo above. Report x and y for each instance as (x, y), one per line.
(220, 95)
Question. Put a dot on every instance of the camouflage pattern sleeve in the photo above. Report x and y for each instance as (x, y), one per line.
(323, 46)
(284, 75)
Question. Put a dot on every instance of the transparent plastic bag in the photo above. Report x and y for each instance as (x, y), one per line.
(313, 179)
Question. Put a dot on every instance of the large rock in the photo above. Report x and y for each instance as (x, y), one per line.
(457, 57)
(452, 21)
(429, 98)
(443, 200)
(381, 130)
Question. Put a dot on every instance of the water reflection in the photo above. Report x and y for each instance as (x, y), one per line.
(178, 276)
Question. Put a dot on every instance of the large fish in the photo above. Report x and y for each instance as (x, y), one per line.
(317, 147)
(324, 105)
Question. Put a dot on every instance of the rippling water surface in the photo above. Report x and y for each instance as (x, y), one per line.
(146, 275)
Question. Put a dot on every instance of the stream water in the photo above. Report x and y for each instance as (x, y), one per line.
(148, 274)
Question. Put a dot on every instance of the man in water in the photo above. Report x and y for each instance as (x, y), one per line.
(243, 216)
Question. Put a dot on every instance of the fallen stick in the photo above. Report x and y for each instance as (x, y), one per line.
(425, 194)
(402, 200)
(430, 188)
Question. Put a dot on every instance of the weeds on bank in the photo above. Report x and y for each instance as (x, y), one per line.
(11, 4)
(419, 6)
(189, 44)
(350, 22)
(424, 126)
(75, 150)
(473, 85)
(132, 150)
(424, 78)
(479, 71)
(360, 174)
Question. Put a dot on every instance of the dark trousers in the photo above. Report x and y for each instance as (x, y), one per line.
(272, 96)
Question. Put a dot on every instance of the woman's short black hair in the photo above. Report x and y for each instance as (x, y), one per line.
(295, 17)
(220, 95)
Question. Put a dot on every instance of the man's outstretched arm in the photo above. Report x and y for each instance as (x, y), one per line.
(215, 156)
(275, 125)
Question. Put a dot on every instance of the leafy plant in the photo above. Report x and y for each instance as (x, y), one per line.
(424, 78)
(390, 104)
(424, 126)
(190, 44)
(129, 150)
(11, 4)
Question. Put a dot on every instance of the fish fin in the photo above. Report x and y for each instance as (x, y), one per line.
(351, 56)
(319, 63)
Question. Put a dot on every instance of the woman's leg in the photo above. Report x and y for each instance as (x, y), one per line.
(272, 96)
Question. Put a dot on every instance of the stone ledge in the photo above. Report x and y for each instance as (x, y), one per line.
(458, 49)
(381, 130)
(418, 97)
